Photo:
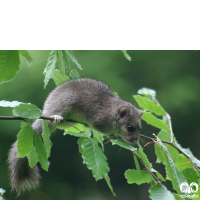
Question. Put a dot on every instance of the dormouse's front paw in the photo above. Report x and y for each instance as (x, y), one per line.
(57, 118)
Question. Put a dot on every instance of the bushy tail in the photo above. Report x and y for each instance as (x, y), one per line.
(22, 176)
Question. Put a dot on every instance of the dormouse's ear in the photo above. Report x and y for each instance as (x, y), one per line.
(123, 111)
(142, 112)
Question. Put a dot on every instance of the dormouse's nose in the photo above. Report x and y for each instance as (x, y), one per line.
(132, 138)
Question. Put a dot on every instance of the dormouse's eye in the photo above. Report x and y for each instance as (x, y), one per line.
(130, 128)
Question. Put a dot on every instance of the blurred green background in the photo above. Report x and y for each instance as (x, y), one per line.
(175, 75)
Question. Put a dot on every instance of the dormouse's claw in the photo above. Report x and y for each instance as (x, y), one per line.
(57, 118)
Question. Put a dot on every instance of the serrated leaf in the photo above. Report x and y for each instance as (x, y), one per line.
(152, 120)
(29, 111)
(62, 61)
(11, 104)
(58, 78)
(166, 136)
(181, 162)
(51, 65)
(109, 184)
(126, 55)
(147, 92)
(9, 64)
(74, 74)
(26, 55)
(32, 157)
(123, 145)
(190, 175)
(69, 53)
(158, 174)
(45, 135)
(149, 105)
(138, 177)
(161, 158)
(100, 137)
(173, 172)
(188, 153)
(24, 140)
(143, 156)
(40, 149)
(80, 142)
(160, 192)
(94, 158)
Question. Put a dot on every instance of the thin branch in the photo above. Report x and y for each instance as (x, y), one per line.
(154, 140)
(42, 117)
(169, 119)
(157, 180)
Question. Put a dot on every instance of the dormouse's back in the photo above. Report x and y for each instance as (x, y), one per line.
(86, 86)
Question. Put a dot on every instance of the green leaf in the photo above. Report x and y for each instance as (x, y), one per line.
(74, 132)
(32, 157)
(161, 158)
(137, 164)
(80, 142)
(152, 120)
(158, 174)
(69, 53)
(100, 137)
(40, 149)
(26, 55)
(143, 156)
(126, 55)
(24, 140)
(94, 158)
(11, 104)
(181, 162)
(29, 111)
(190, 175)
(109, 184)
(51, 65)
(123, 145)
(74, 74)
(147, 92)
(166, 136)
(188, 153)
(58, 78)
(149, 105)
(9, 64)
(160, 192)
(138, 177)
(62, 61)
(173, 172)
(45, 135)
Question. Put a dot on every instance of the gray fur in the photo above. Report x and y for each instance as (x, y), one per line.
(86, 101)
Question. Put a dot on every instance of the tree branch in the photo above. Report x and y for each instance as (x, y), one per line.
(152, 174)
(42, 117)
(154, 140)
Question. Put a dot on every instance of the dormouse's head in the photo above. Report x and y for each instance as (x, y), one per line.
(129, 122)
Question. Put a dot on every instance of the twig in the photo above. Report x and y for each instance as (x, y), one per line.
(42, 117)
(169, 119)
(157, 180)
(154, 140)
